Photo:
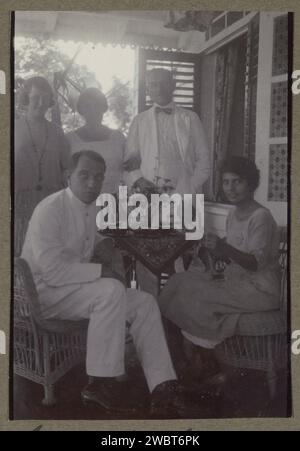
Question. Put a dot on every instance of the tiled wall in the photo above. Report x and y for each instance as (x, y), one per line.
(277, 189)
(280, 46)
(278, 173)
(278, 126)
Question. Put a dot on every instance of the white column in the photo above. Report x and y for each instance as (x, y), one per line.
(263, 140)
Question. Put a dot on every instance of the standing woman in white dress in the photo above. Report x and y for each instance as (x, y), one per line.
(109, 143)
(40, 154)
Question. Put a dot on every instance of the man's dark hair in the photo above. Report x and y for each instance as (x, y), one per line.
(244, 168)
(161, 70)
(73, 162)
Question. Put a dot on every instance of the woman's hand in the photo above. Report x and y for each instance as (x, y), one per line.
(211, 241)
(215, 245)
(220, 249)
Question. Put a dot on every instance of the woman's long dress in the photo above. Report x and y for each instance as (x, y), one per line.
(210, 309)
(31, 182)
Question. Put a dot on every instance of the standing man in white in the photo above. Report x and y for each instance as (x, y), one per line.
(167, 141)
(59, 245)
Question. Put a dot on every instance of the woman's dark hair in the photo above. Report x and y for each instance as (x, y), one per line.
(40, 83)
(74, 158)
(92, 93)
(243, 167)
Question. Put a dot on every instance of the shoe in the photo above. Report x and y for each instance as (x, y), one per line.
(217, 380)
(212, 388)
(171, 400)
(110, 395)
(203, 362)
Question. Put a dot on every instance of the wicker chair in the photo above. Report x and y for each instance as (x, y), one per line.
(44, 350)
(267, 350)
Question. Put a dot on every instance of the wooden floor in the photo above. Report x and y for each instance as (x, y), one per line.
(244, 395)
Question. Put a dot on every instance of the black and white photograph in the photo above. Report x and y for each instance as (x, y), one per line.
(150, 202)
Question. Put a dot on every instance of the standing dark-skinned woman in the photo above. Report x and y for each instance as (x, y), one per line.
(93, 135)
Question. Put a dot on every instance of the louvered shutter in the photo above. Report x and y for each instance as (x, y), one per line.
(185, 68)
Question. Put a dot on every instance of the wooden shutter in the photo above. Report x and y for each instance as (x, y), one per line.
(185, 68)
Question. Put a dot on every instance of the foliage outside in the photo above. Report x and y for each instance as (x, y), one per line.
(37, 56)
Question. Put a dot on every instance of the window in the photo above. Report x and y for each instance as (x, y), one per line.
(235, 104)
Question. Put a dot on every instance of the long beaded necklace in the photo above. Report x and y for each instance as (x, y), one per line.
(39, 153)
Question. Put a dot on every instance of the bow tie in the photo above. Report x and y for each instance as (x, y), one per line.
(163, 110)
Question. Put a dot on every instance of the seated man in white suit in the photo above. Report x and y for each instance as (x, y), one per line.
(58, 247)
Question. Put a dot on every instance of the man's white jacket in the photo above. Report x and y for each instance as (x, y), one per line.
(142, 145)
(59, 244)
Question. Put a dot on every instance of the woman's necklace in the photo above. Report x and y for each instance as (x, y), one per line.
(39, 152)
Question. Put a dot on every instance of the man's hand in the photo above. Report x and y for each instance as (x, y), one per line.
(104, 251)
(143, 185)
(108, 272)
(132, 164)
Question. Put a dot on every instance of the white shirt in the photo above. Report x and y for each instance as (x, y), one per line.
(170, 164)
(59, 243)
(152, 146)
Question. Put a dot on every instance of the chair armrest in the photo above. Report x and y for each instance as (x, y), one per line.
(63, 326)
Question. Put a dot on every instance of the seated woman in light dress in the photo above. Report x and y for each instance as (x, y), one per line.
(92, 105)
(206, 310)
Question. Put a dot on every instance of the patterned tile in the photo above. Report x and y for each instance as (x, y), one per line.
(278, 173)
(278, 126)
(280, 45)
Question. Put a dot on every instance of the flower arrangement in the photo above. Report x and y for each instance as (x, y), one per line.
(147, 211)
